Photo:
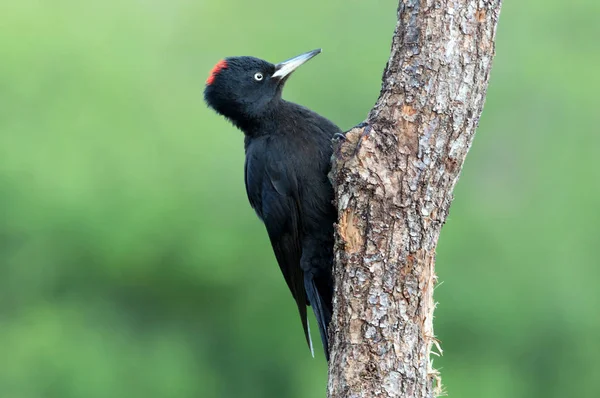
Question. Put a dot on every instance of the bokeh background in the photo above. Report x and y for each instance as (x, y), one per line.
(131, 264)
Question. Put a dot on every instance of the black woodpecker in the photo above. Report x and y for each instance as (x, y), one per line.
(288, 151)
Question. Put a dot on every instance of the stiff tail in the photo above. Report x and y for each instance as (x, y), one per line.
(321, 307)
(304, 318)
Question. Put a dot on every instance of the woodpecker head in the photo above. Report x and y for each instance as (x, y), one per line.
(246, 88)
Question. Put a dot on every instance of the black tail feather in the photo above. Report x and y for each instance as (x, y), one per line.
(321, 308)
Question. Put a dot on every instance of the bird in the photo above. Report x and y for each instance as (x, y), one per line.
(288, 150)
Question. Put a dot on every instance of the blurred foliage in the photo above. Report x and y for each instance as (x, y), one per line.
(131, 264)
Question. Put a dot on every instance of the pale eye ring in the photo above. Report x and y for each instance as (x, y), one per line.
(258, 76)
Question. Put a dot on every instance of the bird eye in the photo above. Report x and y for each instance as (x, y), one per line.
(258, 76)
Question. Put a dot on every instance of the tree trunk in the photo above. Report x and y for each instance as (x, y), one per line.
(394, 176)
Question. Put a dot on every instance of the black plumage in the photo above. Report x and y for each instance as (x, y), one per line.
(288, 150)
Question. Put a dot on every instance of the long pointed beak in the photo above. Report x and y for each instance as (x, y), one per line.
(283, 69)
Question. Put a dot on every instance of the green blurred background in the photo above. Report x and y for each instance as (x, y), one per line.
(131, 264)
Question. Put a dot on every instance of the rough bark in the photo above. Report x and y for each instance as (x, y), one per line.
(394, 176)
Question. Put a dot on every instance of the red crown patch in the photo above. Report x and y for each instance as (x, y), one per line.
(222, 64)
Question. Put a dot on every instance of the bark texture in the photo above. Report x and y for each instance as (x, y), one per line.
(394, 176)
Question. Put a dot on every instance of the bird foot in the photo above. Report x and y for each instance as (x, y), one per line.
(349, 140)
(339, 137)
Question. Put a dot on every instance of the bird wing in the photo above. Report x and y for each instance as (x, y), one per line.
(282, 217)
(273, 193)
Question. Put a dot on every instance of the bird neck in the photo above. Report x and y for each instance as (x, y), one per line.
(266, 122)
